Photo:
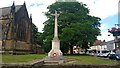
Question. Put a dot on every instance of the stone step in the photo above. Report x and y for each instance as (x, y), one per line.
(50, 66)
(51, 62)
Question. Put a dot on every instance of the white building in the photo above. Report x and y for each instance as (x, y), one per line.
(109, 45)
(105, 46)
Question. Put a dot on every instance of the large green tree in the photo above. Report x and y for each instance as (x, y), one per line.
(76, 26)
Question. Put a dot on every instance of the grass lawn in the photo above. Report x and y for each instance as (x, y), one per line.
(21, 58)
(85, 59)
(79, 59)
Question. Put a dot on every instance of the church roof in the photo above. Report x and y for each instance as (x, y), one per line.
(6, 10)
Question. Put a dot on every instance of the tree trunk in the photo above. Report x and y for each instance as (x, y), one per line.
(71, 49)
(86, 50)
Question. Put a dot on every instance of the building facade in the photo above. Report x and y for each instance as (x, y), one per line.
(109, 45)
(15, 30)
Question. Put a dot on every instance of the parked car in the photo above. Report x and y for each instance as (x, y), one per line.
(114, 56)
(105, 55)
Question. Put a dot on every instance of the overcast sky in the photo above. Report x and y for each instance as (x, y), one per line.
(107, 10)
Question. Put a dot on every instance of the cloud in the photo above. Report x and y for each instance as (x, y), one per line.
(37, 11)
(102, 8)
(32, 5)
(104, 26)
(38, 4)
(38, 16)
(35, 4)
(105, 36)
(104, 32)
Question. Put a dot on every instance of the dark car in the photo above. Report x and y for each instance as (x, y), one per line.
(114, 56)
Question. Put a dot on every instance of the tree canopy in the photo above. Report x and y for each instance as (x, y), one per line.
(76, 26)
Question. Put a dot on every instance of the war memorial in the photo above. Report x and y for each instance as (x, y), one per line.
(16, 38)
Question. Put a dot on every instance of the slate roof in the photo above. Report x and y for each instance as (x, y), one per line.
(108, 42)
(6, 10)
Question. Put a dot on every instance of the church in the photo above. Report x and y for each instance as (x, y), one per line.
(15, 30)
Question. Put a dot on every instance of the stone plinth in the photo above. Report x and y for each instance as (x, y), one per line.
(55, 53)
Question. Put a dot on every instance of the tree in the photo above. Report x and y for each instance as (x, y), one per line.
(34, 32)
(36, 36)
(76, 26)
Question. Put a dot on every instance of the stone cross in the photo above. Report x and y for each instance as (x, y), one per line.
(55, 52)
(56, 25)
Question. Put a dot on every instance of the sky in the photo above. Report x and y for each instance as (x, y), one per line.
(107, 10)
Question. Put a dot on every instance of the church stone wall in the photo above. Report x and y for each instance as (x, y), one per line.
(23, 46)
(8, 45)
